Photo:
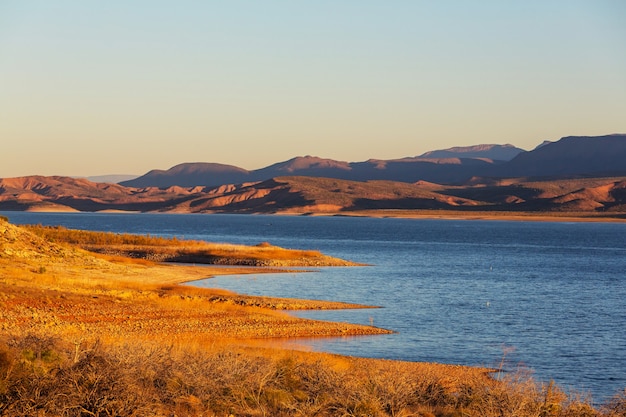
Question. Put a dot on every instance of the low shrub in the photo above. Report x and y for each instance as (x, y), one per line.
(616, 407)
(43, 376)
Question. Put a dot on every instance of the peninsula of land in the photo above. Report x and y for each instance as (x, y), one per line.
(86, 333)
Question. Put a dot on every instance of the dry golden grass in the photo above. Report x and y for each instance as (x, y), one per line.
(136, 298)
(48, 376)
(190, 251)
(86, 237)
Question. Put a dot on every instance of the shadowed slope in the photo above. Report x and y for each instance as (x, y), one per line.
(571, 156)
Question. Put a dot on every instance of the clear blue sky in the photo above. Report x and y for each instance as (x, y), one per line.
(103, 87)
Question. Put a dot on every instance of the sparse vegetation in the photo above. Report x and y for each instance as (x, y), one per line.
(44, 376)
(60, 234)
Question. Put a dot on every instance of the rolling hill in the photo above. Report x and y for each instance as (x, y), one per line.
(39, 193)
(310, 195)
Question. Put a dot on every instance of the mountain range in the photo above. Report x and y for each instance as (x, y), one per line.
(570, 156)
(459, 164)
(574, 174)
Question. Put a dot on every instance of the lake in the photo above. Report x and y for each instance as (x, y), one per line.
(546, 296)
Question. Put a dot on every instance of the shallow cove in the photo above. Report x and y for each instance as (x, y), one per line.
(549, 295)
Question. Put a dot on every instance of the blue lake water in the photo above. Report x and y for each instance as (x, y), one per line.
(548, 296)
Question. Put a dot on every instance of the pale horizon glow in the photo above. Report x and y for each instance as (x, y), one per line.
(98, 88)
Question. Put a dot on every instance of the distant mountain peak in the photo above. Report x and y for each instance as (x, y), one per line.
(300, 163)
(568, 156)
(190, 174)
(203, 167)
(474, 148)
(544, 143)
(483, 151)
(573, 156)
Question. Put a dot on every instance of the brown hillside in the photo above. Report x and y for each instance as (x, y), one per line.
(574, 195)
(298, 195)
(66, 194)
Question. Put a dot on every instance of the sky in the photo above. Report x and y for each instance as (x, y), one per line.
(123, 87)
